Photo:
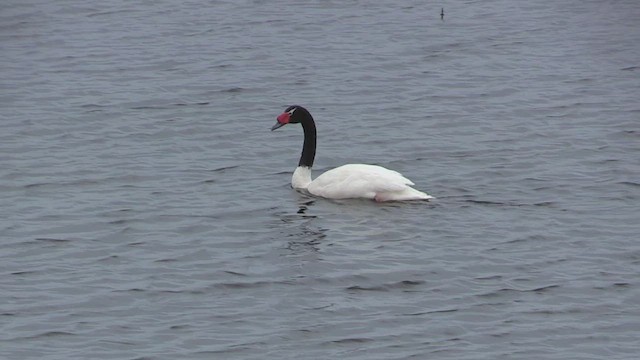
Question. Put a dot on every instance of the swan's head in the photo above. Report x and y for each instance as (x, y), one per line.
(292, 115)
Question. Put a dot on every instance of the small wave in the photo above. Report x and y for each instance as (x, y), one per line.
(486, 202)
(545, 204)
(37, 185)
(510, 290)
(498, 203)
(47, 334)
(119, 222)
(367, 288)
(26, 272)
(233, 348)
(234, 273)
(351, 341)
(103, 13)
(491, 277)
(224, 168)
(629, 183)
(179, 327)
(233, 90)
(581, 80)
(250, 285)
(444, 311)
(148, 107)
(55, 333)
(189, 104)
(92, 106)
(79, 182)
(404, 284)
(132, 290)
(543, 288)
(53, 240)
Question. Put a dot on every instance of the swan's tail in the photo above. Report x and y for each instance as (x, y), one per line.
(408, 193)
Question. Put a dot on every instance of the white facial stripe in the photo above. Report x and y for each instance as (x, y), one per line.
(291, 111)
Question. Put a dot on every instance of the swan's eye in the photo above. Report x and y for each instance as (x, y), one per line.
(291, 111)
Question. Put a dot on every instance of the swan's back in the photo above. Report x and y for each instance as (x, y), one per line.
(364, 181)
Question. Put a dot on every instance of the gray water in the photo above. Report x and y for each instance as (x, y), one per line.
(146, 211)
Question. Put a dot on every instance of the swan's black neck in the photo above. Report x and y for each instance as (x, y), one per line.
(309, 146)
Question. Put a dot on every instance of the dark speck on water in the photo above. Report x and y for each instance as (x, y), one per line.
(146, 211)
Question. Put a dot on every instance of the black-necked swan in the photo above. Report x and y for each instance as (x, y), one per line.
(347, 181)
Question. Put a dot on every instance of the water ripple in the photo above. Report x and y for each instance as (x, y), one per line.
(146, 210)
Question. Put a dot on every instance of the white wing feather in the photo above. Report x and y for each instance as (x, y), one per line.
(359, 181)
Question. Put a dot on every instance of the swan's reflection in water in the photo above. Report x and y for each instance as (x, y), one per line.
(304, 206)
(305, 236)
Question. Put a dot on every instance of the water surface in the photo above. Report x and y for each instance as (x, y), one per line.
(146, 212)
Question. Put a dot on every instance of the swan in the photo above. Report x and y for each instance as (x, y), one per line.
(347, 181)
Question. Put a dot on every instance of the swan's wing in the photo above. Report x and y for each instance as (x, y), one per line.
(381, 173)
(358, 180)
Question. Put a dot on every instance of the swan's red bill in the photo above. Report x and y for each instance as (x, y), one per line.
(283, 119)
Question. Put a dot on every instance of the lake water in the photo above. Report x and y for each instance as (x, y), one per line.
(146, 211)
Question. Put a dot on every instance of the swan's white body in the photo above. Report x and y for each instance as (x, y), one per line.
(358, 181)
